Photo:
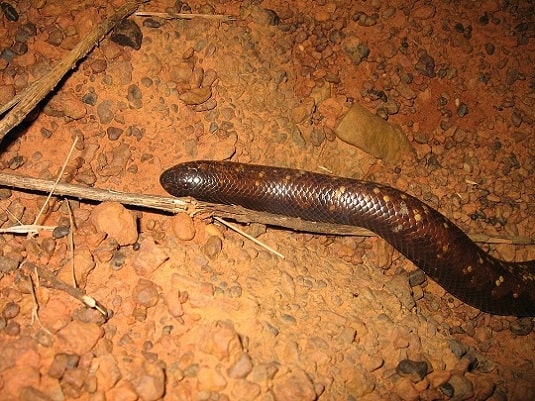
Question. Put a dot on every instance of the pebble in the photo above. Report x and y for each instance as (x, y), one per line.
(149, 382)
(360, 382)
(61, 363)
(12, 328)
(174, 303)
(241, 368)
(462, 110)
(183, 226)
(406, 390)
(196, 96)
(245, 390)
(116, 221)
(98, 65)
(114, 133)
(9, 11)
(73, 381)
(210, 380)
(414, 370)
(15, 378)
(10, 310)
(60, 232)
(459, 388)
(426, 65)
(108, 372)
(79, 337)
(127, 33)
(295, 386)
(104, 112)
(522, 326)
(30, 393)
(222, 342)
(356, 50)
(212, 247)
(146, 293)
(423, 12)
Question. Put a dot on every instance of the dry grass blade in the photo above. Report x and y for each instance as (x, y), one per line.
(241, 232)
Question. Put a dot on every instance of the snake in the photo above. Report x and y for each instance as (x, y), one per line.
(423, 235)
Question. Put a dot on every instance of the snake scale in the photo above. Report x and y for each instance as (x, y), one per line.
(423, 235)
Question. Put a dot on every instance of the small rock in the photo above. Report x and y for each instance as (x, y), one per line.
(108, 372)
(423, 12)
(210, 380)
(295, 386)
(12, 328)
(104, 112)
(196, 95)
(221, 342)
(241, 368)
(245, 390)
(149, 257)
(114, 133)
(73, 381)
(406, 390)
(16, 378)
(98, 65)
(145, 293)
(30, 393)
(9, 11)
(462, 110)
(65, 104)
(116, 221)
(127, 33)
(461, 388)
(60, 232)
(522, 326)
(79, 337)
(426, 65)
(414, 370)
(8, 264)
(183, 227)
(212, 247)
(11, 310)
(174, 303)
(61, 363)
(150, 384)
(355, 49)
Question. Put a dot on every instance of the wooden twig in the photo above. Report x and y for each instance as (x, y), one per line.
(218, 17)
(82, 192)
(47, 279)
(23, 103)
(236, 213)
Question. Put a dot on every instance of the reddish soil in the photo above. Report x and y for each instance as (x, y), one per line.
(200, 313)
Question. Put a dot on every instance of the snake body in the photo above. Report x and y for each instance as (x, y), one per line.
(423, 235)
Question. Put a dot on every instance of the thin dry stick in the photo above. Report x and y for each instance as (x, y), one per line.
(185, 16)
(250, 238)
(175, 205)
(24, 103)
(56, 182)
(35, 309)
(71, 243)
(47, 279)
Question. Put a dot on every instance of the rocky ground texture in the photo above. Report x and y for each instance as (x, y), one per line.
(199, 312)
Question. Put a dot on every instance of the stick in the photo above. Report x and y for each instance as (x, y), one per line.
(47, 279)
(185, 16)
(188, 205)
(25, 102)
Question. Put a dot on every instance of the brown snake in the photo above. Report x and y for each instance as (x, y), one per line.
(422, 234)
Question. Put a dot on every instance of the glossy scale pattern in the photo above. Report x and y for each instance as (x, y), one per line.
(422, 234)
